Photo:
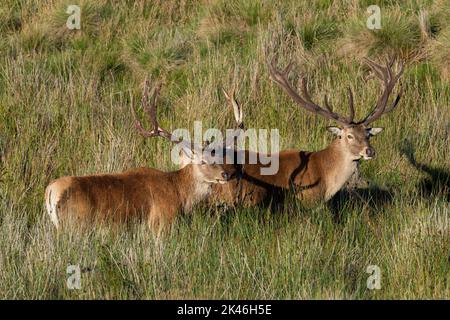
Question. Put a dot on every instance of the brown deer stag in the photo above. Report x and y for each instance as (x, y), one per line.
(318, 175)
(143, 193)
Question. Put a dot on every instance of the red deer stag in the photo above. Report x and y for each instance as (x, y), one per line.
(318, 175)
(144, 193)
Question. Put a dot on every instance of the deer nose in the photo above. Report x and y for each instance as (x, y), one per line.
(370, 152)
(225, 176)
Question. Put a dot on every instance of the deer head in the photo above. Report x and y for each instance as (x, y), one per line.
(353, 136)
(205, 167)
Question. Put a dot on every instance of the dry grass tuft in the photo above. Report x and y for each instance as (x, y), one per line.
(64, 110)
(439, 50)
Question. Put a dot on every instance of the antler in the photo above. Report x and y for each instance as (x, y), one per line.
(237, 110)
(304, 100)
(157, 131)
(190, 148)
(238, 116)
(385, 74)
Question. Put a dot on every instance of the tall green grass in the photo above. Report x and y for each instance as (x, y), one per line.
(65, 98)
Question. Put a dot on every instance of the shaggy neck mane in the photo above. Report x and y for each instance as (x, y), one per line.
(340, 166)
(190, 185)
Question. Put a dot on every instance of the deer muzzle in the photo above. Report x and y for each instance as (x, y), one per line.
(369, 153)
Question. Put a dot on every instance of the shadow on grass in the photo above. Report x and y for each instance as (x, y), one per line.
(437, 181)
(373, 198)
(262, 212)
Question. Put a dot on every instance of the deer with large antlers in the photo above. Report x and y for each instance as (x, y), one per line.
(313, 175)
(143, 193)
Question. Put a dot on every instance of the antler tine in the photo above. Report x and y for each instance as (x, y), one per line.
(304, 89)
(288, 68)
(397, 99)
(390, 61)
(151, 112)
(389, 64)
(154, 105)
(327, 103)
(376, 68)
(157, 131)
(389, 81)
(138, 125)
(351, 106)
(238, 116)
(137, 122)
(304, 101)
(237, 110)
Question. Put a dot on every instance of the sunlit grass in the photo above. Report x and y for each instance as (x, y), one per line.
(65, 98)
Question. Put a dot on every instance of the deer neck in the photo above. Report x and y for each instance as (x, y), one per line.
(339, 165)
(191, 186)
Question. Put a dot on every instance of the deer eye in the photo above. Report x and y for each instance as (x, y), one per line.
(350, 137)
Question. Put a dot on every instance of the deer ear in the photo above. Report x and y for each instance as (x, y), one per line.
(335, 130)
(374, 131)
(187, 152)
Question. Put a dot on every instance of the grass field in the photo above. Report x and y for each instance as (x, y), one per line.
(65, 97)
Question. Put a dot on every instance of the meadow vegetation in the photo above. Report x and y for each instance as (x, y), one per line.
(65, 98)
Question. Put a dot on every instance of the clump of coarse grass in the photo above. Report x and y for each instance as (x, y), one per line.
(218, 30)
(399, 35)
(312, 29)
(232, 21)
(439, 50)
(250, 12)
(90, 19)
(33, 38)
(10, 20)
(440, 12)
(156, 51)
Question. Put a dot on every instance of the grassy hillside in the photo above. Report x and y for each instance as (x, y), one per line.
(65, 97)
